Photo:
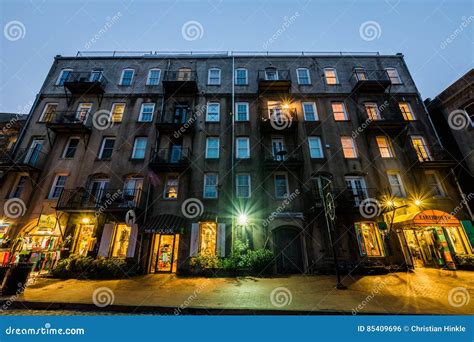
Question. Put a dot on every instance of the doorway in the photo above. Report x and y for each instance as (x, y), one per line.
(424, 247)
(288, 250)
(164, 257)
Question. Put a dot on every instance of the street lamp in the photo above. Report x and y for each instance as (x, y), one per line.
(242, 220)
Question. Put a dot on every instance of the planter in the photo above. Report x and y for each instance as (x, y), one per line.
(15, 279)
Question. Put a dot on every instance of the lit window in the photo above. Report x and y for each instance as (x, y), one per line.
(127, 77)
(71, 148)
(303, 76)
(117, 112)
(385, 147)
(208, 238)
(106, 148)
(171, 187)
(63, 76)
(434, 184)
(19, 187)
(58, 186)
(241, 76)
(393, 75)
(360, 74)
(85, 239)
(281, 185)
(120, 241)
(153, 77)
(315, 147)
(213, 111)
(242, 185)
(146, 112)
(139, 148)
(48, 112)
(407, 113)
(310, 112)
(396, 184)
(348, 147)
(242, 111)
(458, 239)
(212, 148)
(372, 111)
(369, 240)
(243, 148)
(214, 76)
(83, 111)
(339, 111)
(330, 75)
(210, 185)
(420, 147)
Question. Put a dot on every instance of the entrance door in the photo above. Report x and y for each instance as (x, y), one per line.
(423, 247)
(165, 253)
(180, 114)
(288, 250)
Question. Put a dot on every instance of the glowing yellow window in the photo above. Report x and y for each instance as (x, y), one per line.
(348, 147)
(339, 111)
(171, 187)
(406, 111)
(117, 112)
(208, 238)
(421, 148)
(384, 147)
(121, 240)
(369, 240)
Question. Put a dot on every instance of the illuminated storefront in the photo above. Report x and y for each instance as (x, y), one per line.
(369, 239)
(84, 240)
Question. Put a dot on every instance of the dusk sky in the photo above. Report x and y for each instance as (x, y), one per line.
(435, 36)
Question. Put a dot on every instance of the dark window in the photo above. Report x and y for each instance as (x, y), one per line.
(71, 148)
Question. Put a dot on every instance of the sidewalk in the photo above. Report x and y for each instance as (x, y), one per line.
(424, 292)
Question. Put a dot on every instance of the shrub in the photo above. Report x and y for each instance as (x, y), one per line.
(201, 263)
(90, 268)
(259, 261)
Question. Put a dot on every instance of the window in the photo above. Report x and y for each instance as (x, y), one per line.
(348, 147)
(58, 186)
(106, 148)
(361, 74)
(212, 148)
(63, 76)
(210, 185)
(242, 148)
(132, 190)
(127, 77)
(139, 148)
(372, 111)
(281, 185)
(303, 76)
(48, 112)
(83, 110)
(396, 184)
(71, 148)
(96, 76)
(407, 113)
(385, 148)
(339, 111)
(146, 112)
(393, 75)
(309, 110)
(369, 239)
(271, 74)
(171, 187)
(19, 187)
(241, 76)
(421, 149)
(242, 111)
(357, 189)
(208, 238)
(434, 184)
(315, 147)
(120, 241)
(153, 77)
(214, 76)
(213, 111)
(117, 112)
(242, 185)
(330, 75)
(458, 239)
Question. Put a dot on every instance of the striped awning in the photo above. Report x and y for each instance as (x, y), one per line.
(164, 224)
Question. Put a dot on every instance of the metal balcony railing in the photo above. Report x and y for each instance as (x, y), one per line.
(370, 80)
(27, 157)
(273, 75)
(90, 77)
(69, 118)
(175, 155)
(104, 200)
(282, 154)
(279, 118)
(180, 76)
(431, 154)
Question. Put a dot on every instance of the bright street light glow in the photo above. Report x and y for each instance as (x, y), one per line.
(417, 202)
(242, 220)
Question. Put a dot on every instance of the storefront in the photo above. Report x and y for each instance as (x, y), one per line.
(118, 240)
(369, 240)
(431, 238)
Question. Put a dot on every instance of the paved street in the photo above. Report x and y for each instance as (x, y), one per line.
(426, 291)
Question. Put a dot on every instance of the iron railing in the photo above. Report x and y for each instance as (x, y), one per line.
(176, 155)
(30, 157)
(103, 200)
(273, 75)
(89, 77)
(180, 76)
(287, 153)
(363, 75)
(69, 118)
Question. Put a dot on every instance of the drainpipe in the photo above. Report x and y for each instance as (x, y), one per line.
(233, 152)
(463, 196)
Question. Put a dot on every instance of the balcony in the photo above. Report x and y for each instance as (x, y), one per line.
(180, 82)
(170, 159)
(387, 125)
(67, 122)
(109, 200)
(180, 126)
(275, 81)
(370, 81)
(287, 157)
(279, 120)
(431, 156)
(30, 159)
(85, 82)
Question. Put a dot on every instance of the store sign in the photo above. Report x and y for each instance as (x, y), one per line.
(46, 224)
(435, 217)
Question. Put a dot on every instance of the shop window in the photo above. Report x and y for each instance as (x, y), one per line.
(121, 240)
(458, 240)
(84, 240)
(369, 240)
(208, 238)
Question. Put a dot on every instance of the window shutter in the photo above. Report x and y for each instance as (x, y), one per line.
(193, 250)
(221, 239)
(105, 240)
(132, 242)
(469, 229)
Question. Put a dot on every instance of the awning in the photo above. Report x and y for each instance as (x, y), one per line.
(427, 218)
(164, 224)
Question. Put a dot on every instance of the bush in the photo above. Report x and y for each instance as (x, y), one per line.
(259, 261)
(89, 268)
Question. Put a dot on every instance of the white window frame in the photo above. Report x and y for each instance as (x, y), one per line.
(140, 117)
(134, 150)
(246, 77)
(206, 185)
(409, 108)
(249, 178)
(397, 74)
(400, 183)
(207, 147)
(123, 74)
(13, 192)
(218, 111)
(275, 185)
(67, 147)
(318, 139)
(148, 79)
(389, 146)
(54, 185)
(439, 183)
(46, 106)
(354, 148)
(377, 111)
(315, 110)
(247, 139)
(61, 73)
(165, 187)
(335, 74)
(209, 76)
(344, 109)
(237, 112)
(102, 146)
(298, 76)
(114, 105)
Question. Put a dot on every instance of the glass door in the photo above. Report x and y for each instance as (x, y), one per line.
(180, 114)
(97, 191)
(165, 253)
(278, 149)
(176, 153)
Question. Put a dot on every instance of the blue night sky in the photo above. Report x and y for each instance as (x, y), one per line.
(418, 29)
